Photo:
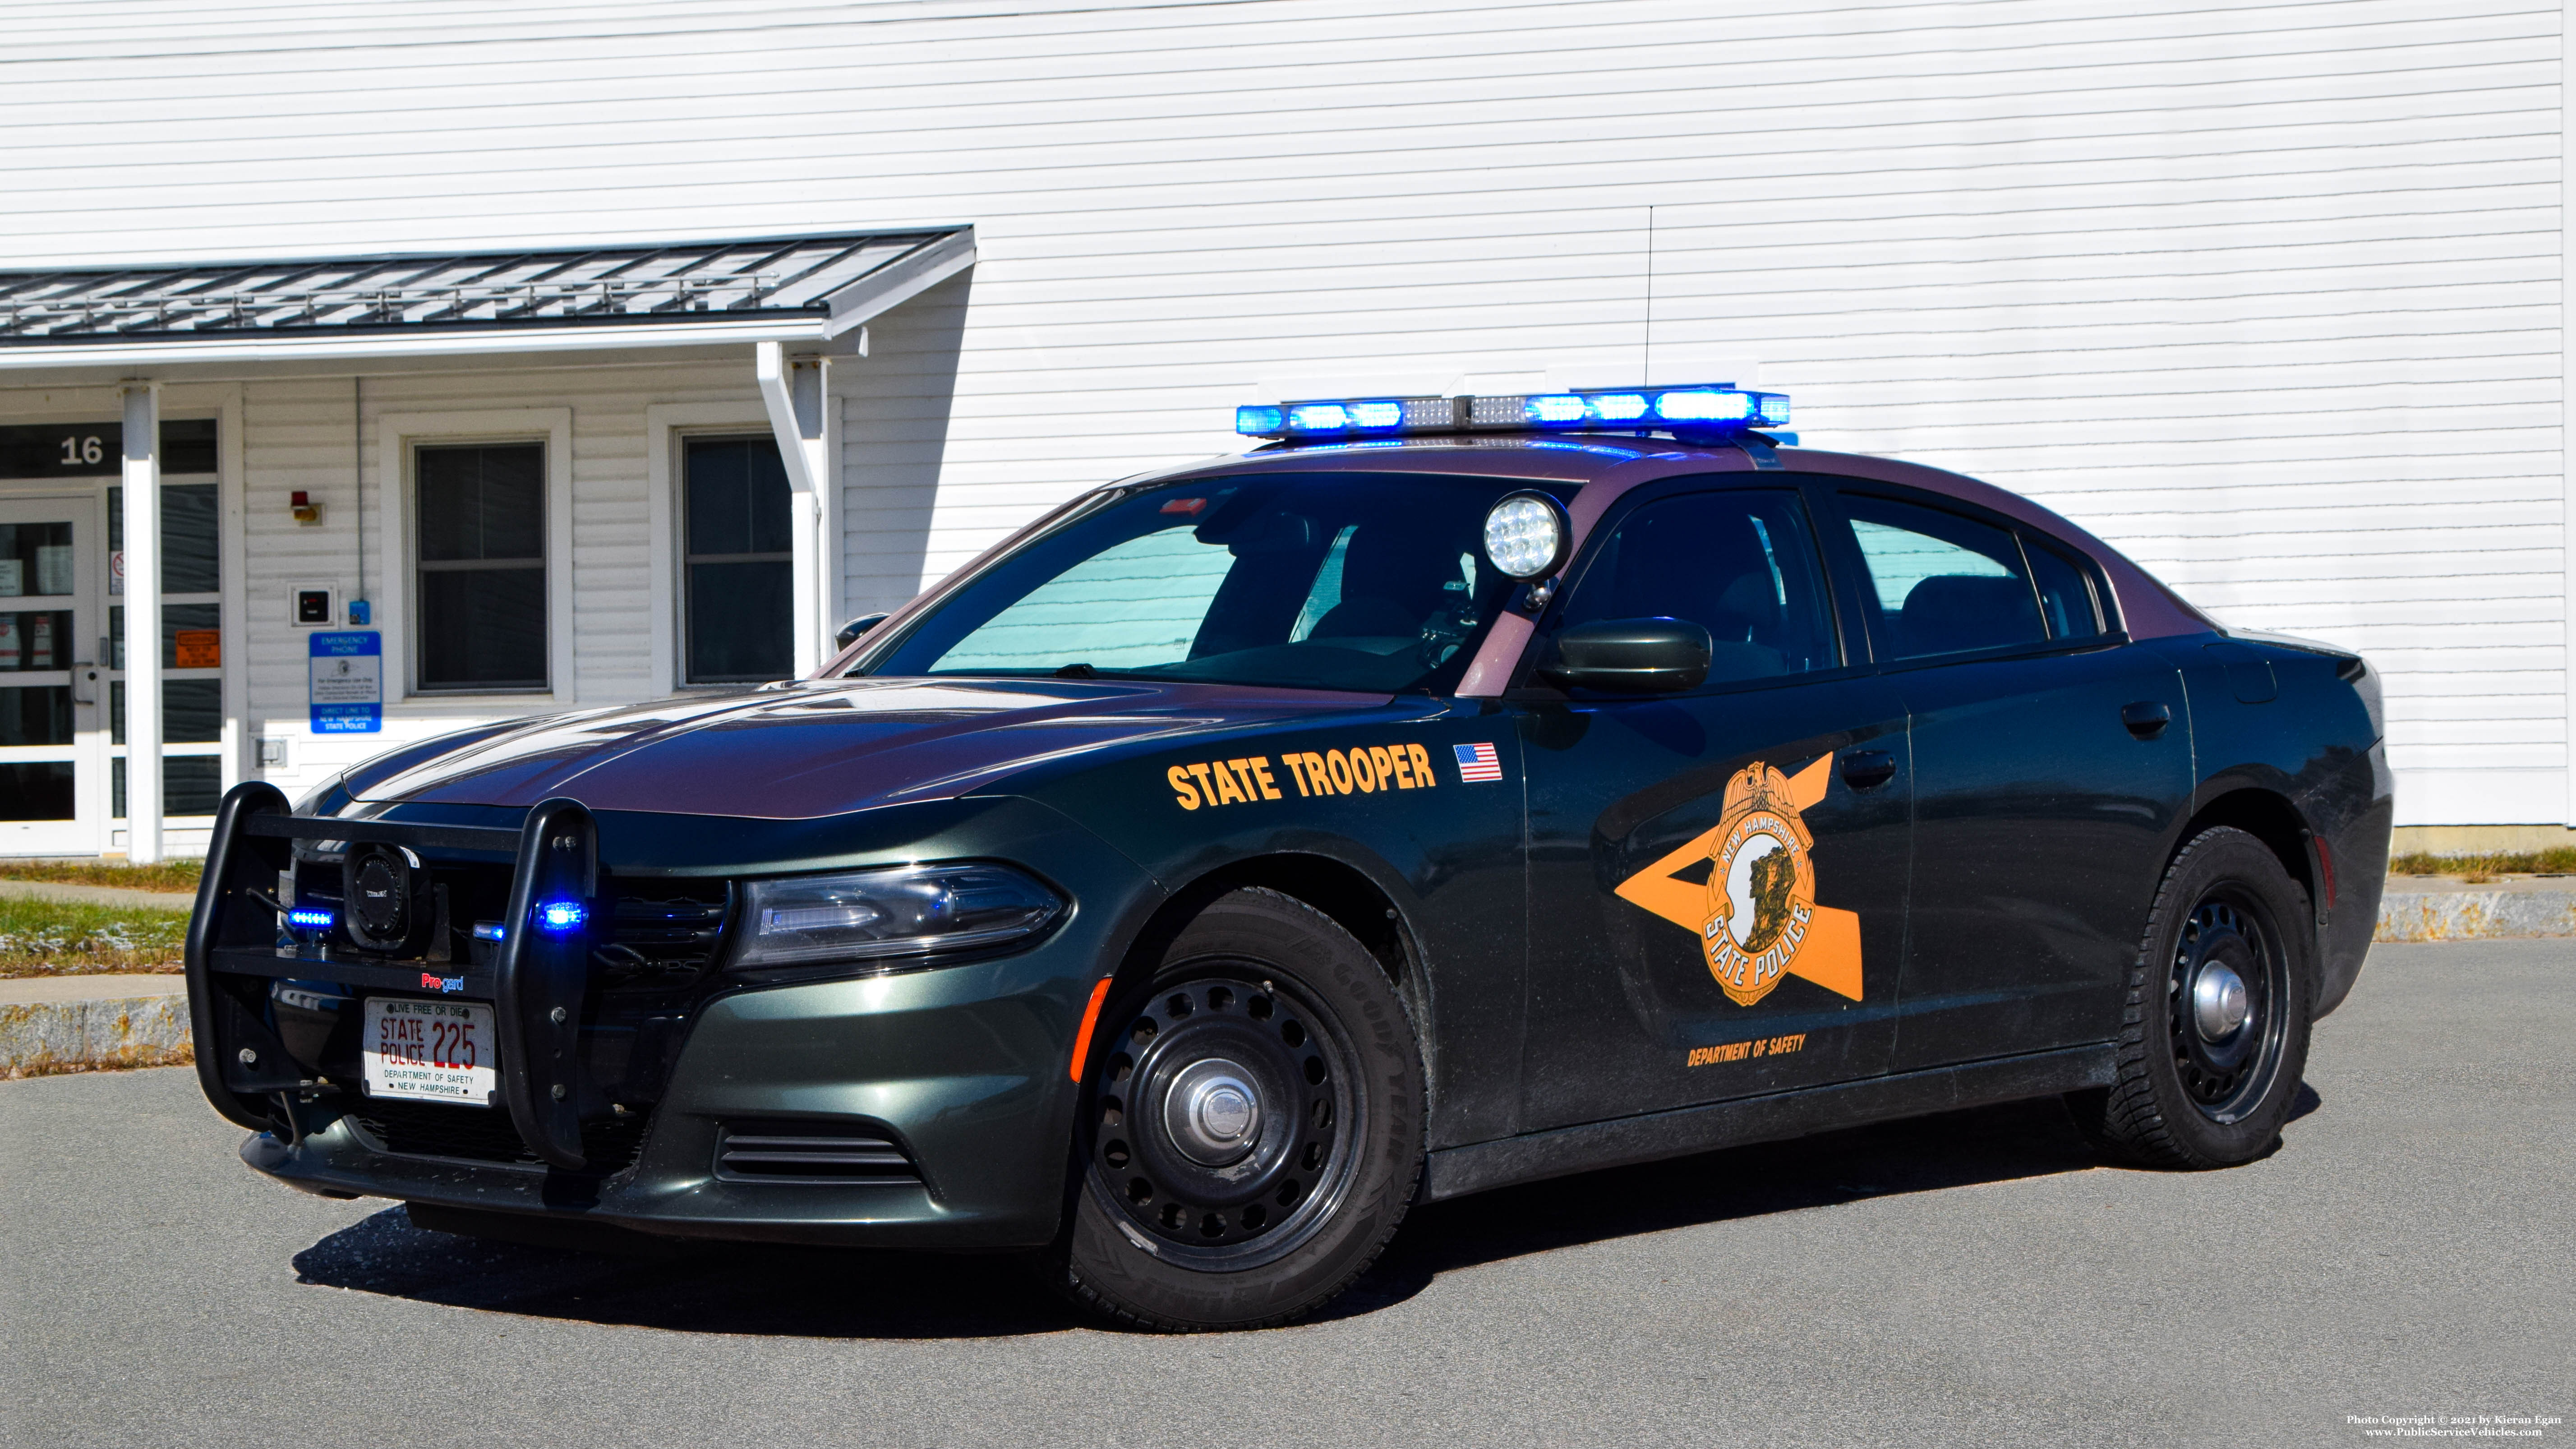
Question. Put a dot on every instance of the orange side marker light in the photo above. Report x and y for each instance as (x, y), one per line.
(1090, 1019)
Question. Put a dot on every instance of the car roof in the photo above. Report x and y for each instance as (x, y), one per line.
(1606, 467)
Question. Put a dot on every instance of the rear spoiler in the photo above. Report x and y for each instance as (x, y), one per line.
(238, 944)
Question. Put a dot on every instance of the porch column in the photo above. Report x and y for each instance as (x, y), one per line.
(143, 622)
(795, 393)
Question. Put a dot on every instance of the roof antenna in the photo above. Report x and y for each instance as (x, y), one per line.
(1646, 364)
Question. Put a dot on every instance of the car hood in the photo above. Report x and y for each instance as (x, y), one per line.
(814, 749)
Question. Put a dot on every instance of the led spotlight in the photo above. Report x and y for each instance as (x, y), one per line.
(1525, 535)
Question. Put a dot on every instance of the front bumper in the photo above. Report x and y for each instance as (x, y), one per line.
(961, 1068)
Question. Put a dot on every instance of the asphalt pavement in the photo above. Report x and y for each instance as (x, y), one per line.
(1972, 1278)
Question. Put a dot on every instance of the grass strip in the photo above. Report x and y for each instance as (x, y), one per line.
(62, 938)
(2557, 860)
(176, 876)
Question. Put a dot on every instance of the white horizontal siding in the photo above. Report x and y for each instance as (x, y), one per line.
(2268, 294)
(317, 435)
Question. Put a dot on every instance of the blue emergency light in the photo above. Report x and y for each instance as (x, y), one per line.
(561, 916)
(1716, 407)
(309, 920)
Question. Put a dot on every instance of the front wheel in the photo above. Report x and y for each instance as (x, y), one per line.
(1252, 1127)
(2215, 1036)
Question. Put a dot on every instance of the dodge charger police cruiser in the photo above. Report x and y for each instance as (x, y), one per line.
(1448, 793)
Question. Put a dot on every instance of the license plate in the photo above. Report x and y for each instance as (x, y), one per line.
(436, 1051)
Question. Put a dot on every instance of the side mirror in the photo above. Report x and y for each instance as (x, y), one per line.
(851, 631)
(1631, 656)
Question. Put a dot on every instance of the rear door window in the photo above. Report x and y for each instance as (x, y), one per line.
(2066, 601)
(1944, 584)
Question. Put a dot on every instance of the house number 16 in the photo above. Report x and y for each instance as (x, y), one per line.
(81, 450)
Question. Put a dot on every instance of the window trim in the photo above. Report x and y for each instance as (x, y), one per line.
(400, 436)
(1829, 490)
(668, 427)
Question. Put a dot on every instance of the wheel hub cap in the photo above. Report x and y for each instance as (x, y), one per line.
(1213, 1112)
(2218, 1004)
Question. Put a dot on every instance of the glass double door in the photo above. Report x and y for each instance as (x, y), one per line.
(53, 748)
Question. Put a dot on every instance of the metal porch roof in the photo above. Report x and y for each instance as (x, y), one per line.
(824, 283)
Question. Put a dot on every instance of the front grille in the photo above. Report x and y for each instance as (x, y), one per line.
(484, 1134)
(662, 935)
(809, 1152)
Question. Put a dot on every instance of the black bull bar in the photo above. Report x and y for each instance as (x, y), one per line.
(238, 945)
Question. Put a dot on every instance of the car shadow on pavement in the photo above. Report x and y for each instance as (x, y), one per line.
(845, 1293)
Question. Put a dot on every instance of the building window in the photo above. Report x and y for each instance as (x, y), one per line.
(739, 626)
(482, 585)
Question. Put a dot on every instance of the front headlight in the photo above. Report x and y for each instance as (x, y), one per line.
(902, 910)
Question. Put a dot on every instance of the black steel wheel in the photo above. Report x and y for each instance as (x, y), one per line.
(1225, 1126)
(2223, 1016)
(2215, 1036)
(1252, 1128)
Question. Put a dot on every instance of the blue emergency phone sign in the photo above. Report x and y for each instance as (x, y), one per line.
(348, 692)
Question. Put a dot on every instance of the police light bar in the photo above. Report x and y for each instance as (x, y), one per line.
(1717, 407)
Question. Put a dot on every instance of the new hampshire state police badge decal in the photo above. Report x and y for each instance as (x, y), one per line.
(1757, 917)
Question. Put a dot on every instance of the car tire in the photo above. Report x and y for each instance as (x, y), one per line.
(2214, 1034)
(1251, 1125)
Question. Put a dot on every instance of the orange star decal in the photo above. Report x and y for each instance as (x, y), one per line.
(1757, 917)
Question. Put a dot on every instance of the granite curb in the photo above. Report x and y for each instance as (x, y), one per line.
(2470, 914)
(40, 1038)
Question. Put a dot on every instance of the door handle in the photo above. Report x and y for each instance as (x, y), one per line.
(2146, 719)
(1868, 769)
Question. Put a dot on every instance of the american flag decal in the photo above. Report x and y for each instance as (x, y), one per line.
(1476, 763)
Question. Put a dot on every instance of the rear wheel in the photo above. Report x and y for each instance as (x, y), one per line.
(1252, 1125)
(2215, 1036)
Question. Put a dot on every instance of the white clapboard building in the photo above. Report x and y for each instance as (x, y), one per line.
(418, 364)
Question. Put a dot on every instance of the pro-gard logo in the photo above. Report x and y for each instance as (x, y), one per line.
(1757, 917)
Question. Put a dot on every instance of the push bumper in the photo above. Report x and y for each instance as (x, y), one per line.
(951, 1080)
(963, 1069)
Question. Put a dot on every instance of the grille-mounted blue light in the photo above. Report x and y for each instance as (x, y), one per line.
(309, 920)
(1713, 408)
(561, 915)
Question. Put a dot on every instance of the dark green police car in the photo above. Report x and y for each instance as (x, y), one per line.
(1454, 792)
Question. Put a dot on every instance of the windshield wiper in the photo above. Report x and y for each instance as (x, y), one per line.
(1076, 670)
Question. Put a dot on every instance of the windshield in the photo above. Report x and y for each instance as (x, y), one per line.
(1370, 582)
